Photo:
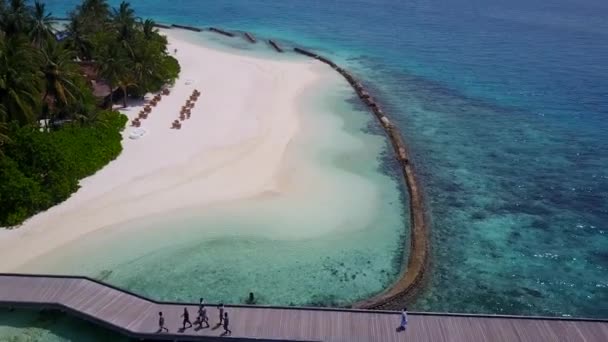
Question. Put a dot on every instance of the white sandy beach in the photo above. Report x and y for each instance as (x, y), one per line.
(231, 148)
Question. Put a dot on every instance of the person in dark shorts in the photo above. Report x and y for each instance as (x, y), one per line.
(186, 317)
(227, 331)
(202, 317)
(221, 311)
(161, 323)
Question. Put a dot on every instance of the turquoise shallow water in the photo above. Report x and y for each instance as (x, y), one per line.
(29, 326)
(504, 105)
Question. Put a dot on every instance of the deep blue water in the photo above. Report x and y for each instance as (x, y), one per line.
(505, 106)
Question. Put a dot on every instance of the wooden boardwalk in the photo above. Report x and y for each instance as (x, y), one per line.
(137, 317)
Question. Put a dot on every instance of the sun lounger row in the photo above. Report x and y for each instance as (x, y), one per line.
(186, 110)
(143, 114)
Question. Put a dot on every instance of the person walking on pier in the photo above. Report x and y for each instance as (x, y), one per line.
(202, 317)
(201, 304)
(221, 310)
(186, 317)
(403, 325)
(161, 323)
(227, 330)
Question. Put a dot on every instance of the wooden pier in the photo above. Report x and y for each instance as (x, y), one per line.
(137, 317)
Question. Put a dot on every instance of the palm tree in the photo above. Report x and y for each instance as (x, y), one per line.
(3, 12)
(60, 73)
(98, 8)
(113, 68)
(78, 41)
(124, 15)
(3, 126)
(16, 18)
(3, 133)
(42, 25)
(124, 21)
(126, 80)
(2, 113)
(144, 63)
(92, 16)
(19, 79)
(149, 28)
(110, 66)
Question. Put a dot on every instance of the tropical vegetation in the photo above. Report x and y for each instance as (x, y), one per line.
(54, 130)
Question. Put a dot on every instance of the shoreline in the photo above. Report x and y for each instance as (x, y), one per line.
(227, 137)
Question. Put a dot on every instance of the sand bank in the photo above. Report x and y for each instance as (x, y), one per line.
(231, 148)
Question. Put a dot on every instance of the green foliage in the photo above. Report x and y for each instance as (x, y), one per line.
(61, 76)
(42, 25)
(78, 40)
(15, 18)
(3, 133)
(19, 197)
(39, 77)
(39, 169)
(92, 15)
(92, 146)
(84, 106)
(129, 53)
(41, 80)
(20, 81)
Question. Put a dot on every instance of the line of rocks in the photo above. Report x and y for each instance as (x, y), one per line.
(412, 276)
